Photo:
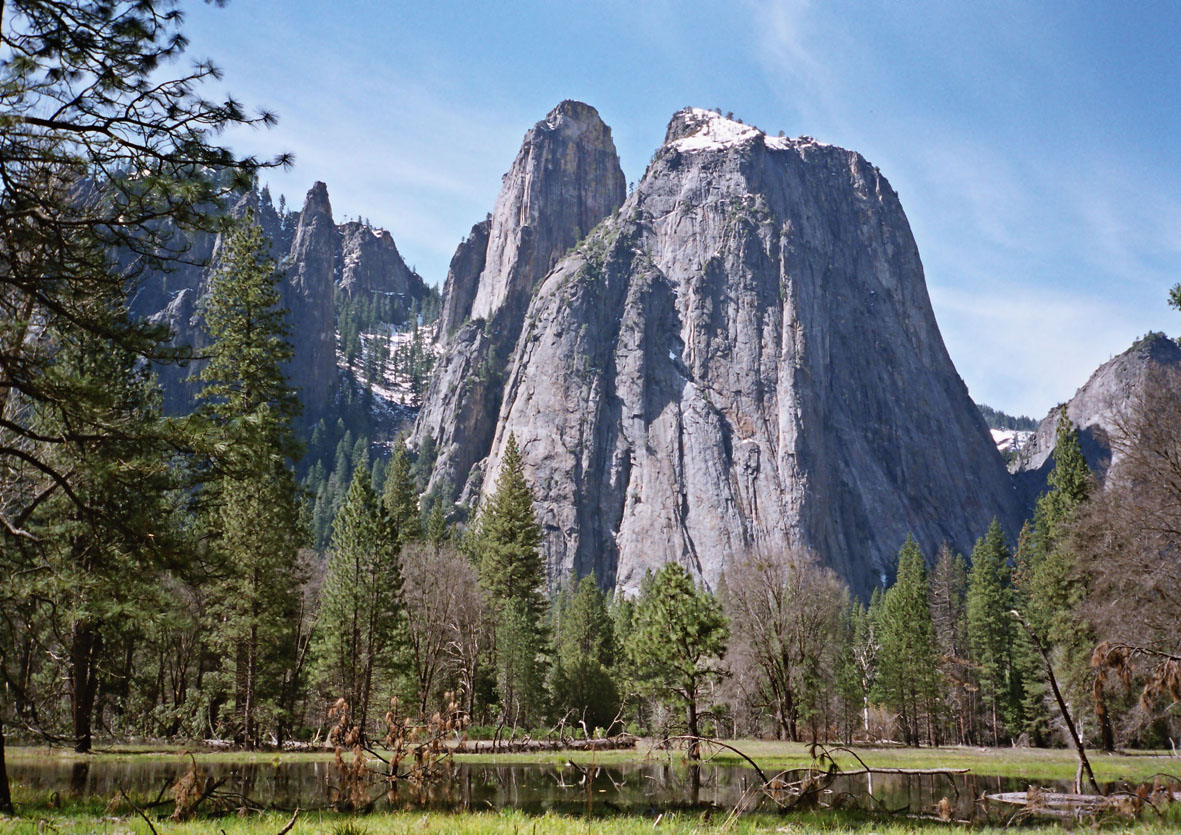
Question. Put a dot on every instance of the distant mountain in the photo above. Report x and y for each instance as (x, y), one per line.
(326, 268)
(740, 356)
(1095, 410)
(1000, 420)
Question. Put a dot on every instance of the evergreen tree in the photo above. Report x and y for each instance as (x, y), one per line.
(1045, 568)
(949, 583)
(518, 673)
(509, 538)
(991, 629)
(104, 151)
(100, 548)
(399, 496)
(677, 640)
(1049, 590)
(506, 541)
(855, 668)
(584, 653)
(907, 680)
(360, 611)
(256, 519)
(436, 524)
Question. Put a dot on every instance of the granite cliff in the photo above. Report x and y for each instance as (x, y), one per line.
(742, 356)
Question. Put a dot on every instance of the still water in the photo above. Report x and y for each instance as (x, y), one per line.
(533, 788)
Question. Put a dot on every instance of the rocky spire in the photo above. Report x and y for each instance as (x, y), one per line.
(565, 179)
(307, 294)
(1096, 410)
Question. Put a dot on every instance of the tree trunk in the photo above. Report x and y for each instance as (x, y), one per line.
(1107, 735)
(5, 793)
(691, 711)
(251, 671)
(84, 646)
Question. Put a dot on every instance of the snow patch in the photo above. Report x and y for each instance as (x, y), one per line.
(1010, 439)
(712, 132)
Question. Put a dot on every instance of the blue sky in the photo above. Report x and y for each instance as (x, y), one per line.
(1035, 146)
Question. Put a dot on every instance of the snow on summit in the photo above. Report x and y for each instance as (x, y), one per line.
(712, 132)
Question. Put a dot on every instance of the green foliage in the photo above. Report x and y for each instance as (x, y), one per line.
(1044, 578)
(508, 538)
(584, 654)
(991, 629)
(360, 613)
(907, 680)
(256, 523)
(519, 681)
(400, 498)
(1047, 582)
(436, 524)
(107, 170)
(949, 586)
(678, 636)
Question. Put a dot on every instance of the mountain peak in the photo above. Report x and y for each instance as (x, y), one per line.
(572, 109)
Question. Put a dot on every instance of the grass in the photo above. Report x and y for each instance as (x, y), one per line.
(465, 823)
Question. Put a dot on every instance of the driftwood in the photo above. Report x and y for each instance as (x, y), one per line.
(514, 746)
(1084, 764)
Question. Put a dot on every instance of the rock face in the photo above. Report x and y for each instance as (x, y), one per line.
(368, 262)
(317, 258)
(743, 357)
(463, 279)
(1095, 411)
(566, 178)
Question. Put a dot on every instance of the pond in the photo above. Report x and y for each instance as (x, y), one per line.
(639, 788)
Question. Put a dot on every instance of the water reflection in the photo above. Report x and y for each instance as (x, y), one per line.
(649, 788)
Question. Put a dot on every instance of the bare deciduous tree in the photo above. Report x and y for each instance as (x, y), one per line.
(785, 611)
(437, 586)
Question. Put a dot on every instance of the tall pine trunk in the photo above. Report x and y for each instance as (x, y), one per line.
(5, 793)
(251, 686)
(83, 679)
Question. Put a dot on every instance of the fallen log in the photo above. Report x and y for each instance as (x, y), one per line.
(520, 746)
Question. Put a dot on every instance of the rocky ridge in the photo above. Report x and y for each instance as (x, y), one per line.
(317, 258)
(1095, 410)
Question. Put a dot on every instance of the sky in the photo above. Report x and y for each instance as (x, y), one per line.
(1034, 146)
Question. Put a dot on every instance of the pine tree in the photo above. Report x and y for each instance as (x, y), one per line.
(991, 629)
(105, 151)
(949, 583)
(509, 538)
(436, 524)
(907, 680)
(400, 497)
(1049, 590)
(100, 550)
(584, 653)
(678, 638)
(256, 520)
(360, 613)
